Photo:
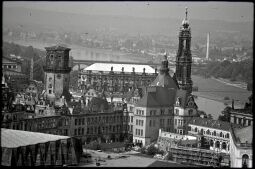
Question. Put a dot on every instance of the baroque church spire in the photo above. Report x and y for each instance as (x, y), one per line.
(183, 57)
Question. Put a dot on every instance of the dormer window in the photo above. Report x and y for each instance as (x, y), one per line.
(178, 102)
(190, 104)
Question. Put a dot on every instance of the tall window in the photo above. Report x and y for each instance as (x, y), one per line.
(245, 161)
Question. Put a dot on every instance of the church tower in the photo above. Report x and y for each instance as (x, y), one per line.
(57, 72)
(184, 58)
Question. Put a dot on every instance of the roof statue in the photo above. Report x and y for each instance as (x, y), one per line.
(185, 22)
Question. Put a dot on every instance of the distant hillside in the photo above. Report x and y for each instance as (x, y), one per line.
(40, 19)
(27, 53)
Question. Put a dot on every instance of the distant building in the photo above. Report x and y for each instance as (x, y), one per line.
(115, 78)
(242, 116)
(16, 81)
(11, 64)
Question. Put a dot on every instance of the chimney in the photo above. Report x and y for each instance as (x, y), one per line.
(233, 104)
(112, 68)
(133, 69)
(143, 70)
(122, 69)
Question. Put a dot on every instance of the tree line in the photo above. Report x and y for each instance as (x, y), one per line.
(235, 71)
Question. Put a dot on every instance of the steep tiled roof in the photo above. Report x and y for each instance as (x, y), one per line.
(99, 103)
(182, 95)
(221, 125)
(156, 96)
(164, 80)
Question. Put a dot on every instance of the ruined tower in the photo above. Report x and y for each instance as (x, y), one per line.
(57, 72)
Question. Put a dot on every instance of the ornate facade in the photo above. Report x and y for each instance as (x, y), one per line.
(115, 81)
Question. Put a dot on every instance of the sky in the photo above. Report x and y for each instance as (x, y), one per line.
(226, 11)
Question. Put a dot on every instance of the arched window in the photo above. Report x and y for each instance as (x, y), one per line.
(208, 132)
(221, 134)
(245, 160)
(202, 131)
(227, 135)
(217, 144)
(214, 133)
(195, 129)
(224, 146)
(211, 143)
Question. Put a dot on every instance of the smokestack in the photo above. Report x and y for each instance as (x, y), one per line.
(31, 68)
(207, 46)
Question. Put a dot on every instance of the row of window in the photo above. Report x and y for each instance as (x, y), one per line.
(10, 66)
(239, 120)
(214, 133)
(139, 122)
(180, 122)
(139, 112)
(139, 132)
(154, 123)
(130, 128)
(98, 130)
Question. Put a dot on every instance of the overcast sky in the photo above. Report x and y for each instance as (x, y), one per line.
(227, 11)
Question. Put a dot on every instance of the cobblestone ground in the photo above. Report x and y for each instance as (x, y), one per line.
(127, 159)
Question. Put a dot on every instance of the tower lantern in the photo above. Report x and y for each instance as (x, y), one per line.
(183, 57)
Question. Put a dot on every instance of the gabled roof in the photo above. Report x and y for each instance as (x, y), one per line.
(156, 96)
(181, 95)
(184, 98)
(216, 124)
(164, 80)
(57, 47)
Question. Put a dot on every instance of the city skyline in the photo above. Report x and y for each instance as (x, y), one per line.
(225, 11)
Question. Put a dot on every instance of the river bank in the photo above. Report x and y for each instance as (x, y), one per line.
(218, 90)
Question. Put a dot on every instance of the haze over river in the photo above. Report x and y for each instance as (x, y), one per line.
(211, 92)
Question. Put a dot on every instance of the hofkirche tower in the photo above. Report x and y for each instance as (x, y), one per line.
(184, 58)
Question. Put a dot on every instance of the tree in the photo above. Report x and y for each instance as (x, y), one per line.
(225, 114)
(152, 150)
